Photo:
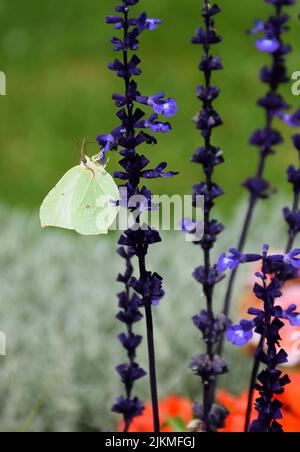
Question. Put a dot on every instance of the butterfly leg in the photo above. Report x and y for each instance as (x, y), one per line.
(96, 158)
(105, 165)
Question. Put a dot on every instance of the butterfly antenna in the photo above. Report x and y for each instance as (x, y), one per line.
(83, 149)
(92, 142)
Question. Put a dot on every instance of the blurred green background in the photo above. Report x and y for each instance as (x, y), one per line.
(57, 290)
(59, 90)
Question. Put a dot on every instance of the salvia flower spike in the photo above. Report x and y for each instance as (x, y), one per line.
(208, 365)
(292, 218)
(270, 41)
(142, 292)
(267, 322)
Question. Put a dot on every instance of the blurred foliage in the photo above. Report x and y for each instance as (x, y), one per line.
(58, 307)
(55, 56)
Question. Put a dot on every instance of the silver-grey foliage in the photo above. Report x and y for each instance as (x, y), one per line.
(57, 308)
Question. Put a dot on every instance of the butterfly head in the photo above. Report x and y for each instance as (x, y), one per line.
(93, 163)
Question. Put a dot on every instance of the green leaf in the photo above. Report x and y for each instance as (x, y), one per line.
(177, 424)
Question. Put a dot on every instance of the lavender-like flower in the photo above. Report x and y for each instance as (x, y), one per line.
(268, 322)
(274, 106)
(209, 365)
(292, 217)
(129, 314)
(242, 333)
(145, 290)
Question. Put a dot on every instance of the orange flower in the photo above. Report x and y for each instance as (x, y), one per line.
(171, 407)
(237, 407)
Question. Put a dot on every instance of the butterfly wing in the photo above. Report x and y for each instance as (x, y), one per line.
(96, 212)
(56, 208)
(108, 195)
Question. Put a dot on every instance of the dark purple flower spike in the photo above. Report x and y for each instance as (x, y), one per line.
(292, 217)
(267, 322)
(141, 293)
(267, 138)
(209, 365)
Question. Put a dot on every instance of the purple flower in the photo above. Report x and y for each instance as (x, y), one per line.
(293, 258)
(147, 23)
(240, 334)
(266, 139)
(157, 126)
(109, 142)
(150, 288)
(293, 220)
(259, 27)
(117, 21)
(158, 172)
(188, 225)
(267, 45)
(295, 319)
(236, 258)
(129, 408)
(258, 187)
(129, 313)
(130, 372)
(227, 262)
(210, 63)
(273, 102)
(166, 107)
(206, 368)
(291, 315)
(122, 70)
(131, 342)
(292, 120)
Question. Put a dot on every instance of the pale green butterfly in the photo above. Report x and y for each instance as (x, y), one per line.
(84, 200)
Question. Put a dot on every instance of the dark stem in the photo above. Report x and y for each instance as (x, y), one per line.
(151, 352)
(208, 394)
(131, 360)
(271, 352)
(152, 368)
(247, 223)
(292, 234)
(254, 375)
(241, 247)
